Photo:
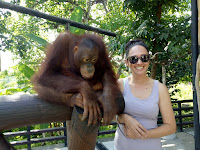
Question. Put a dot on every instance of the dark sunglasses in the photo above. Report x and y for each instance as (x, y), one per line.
(143, 58)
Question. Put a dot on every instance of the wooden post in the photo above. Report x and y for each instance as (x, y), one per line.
(5, 145)
(81, 136)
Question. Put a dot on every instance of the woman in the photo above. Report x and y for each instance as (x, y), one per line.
(144, 98)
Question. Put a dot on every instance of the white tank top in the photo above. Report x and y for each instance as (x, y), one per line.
(145, 111)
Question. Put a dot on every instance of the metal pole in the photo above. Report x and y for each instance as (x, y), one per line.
(65, 133)
(194, 35)
(180, 117)
(28, 138)
(32, 12)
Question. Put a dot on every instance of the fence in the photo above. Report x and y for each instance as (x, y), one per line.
(180, 123)
(178, 109)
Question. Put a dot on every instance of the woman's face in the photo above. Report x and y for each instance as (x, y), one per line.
(138, 68)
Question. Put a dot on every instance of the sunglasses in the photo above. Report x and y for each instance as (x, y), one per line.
(143, 58)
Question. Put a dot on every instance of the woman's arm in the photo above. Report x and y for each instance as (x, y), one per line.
(169, 124)
(121, 84)
(132, 128)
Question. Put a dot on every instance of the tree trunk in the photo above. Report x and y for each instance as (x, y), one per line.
(163, 74)
(154, 68)
(88, 8)
(155, 50)
(104, 2)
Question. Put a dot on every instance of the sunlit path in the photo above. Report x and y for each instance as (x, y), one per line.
(179, 141)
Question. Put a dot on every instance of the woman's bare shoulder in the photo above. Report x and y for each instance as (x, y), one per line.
(121, 84)
(162, 87)
(120, 80)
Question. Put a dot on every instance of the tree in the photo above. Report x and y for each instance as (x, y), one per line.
(165, 25)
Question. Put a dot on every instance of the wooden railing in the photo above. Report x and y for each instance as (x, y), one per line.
(178, 115)
(180, 123)
(30, 140)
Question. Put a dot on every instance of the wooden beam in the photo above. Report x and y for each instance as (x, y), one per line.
(21, 110)
(80, 135)
(32, 12)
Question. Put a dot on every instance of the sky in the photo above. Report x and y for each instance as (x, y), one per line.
(6, 60)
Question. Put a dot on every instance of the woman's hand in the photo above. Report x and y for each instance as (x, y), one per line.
(132, 128)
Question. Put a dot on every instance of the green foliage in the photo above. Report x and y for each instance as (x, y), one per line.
(27, 71)
(148, 8)
(77, 15)
(106, 128)
(17, 79)
(182, 91)
(42, 42)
